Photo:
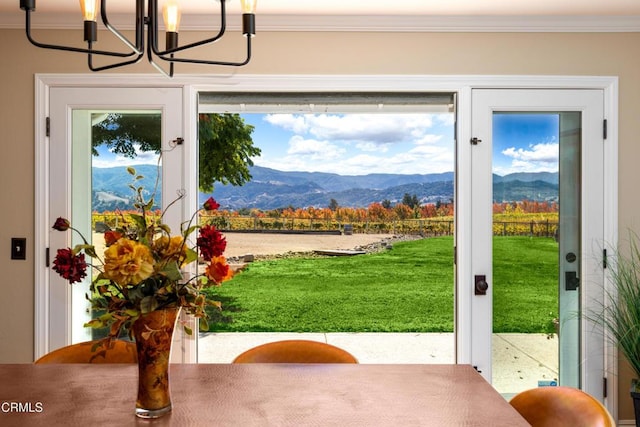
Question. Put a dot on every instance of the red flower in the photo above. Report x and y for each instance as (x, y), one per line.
(110, 237)
(211, 204)
(218, 271)
(61, 224)
(69, 265)
(211, 242)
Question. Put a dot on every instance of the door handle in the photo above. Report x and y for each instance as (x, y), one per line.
(481, 284)
(571, 281)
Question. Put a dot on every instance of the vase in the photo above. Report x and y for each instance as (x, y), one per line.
(153, 333)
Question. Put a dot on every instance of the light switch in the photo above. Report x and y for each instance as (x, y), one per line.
(18, 248)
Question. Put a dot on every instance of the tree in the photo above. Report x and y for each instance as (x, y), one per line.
(333, 204)
(121, 132)
(411, 201)
(225, 147)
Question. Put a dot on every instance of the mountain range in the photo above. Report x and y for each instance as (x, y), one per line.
(273, 189)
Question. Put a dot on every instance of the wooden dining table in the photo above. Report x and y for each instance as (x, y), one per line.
(300, 395)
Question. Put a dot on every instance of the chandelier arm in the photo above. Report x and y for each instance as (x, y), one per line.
(110, 66)
(67, 48)
(138, 48)
(151, 34)
(221, 32)
(207, 62)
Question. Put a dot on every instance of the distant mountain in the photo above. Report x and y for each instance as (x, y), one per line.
(110, 186)
(549, 177)
(272, 189)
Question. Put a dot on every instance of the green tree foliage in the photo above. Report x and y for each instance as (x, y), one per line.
(121, 132)
(225, 149)
(411, 201)
(333, 204)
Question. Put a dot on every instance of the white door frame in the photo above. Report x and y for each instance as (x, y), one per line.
(462, 85)
(588, 360)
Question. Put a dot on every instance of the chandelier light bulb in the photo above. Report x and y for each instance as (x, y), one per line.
(248, 6)
(171, 15)
(89, 9)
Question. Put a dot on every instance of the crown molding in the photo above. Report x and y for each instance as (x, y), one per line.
(364, 23)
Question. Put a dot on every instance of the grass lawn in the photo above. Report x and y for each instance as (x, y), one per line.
(406, 289)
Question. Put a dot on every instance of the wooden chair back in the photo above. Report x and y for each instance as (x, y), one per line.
(120, 352)
(295, 351)
(561, 407)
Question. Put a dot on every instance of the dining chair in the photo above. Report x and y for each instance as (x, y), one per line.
(120, 352)
(295, 351)
(561, 407)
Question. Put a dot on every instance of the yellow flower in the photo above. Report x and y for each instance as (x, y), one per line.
(127, 262)
(170, 248)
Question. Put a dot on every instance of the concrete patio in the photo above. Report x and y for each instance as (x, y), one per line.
(519, 360)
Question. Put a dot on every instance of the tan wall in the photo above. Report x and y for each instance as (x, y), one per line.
(301, 53)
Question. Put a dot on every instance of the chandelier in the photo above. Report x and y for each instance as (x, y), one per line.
(136, 49)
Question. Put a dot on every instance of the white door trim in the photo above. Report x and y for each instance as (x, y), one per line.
(462, 84)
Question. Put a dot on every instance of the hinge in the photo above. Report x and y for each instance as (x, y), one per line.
(47, 125)
(475, 141)
(604, 129)
(604, 258)
(604, 387)
(46, 257)
(455, 255)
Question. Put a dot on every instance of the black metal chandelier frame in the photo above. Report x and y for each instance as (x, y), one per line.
(137, 48)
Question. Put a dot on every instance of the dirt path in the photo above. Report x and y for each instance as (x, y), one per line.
(240, 244)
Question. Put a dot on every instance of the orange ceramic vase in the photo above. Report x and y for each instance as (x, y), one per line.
(153, 333)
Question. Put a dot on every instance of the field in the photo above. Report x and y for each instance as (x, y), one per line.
(409, 288)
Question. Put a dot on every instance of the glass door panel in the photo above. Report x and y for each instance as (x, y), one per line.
(536, 217)
(102, 198)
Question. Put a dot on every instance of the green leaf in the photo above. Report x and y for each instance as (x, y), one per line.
(148, 304)
(204, 325)
(191, 255)
(139, 220)
(188, 330)
(190, 230)
(172, 272)
(94, 323)
(131, 170)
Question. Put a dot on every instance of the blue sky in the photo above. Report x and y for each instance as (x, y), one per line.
(358, 144)
(525, 143)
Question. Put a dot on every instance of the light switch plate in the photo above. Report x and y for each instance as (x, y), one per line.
(18, 248)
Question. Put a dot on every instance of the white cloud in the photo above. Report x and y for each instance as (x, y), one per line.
(290, 122)
(313, 149)
(358, 144)
(107, 159)
(370, 128)
(541, 157)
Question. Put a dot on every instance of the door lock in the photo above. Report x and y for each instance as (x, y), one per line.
(481, 284)
(571, 281)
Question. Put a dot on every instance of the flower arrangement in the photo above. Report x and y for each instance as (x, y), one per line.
(139, 271)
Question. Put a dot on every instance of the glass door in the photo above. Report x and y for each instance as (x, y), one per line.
(96, 133)
(537, 160)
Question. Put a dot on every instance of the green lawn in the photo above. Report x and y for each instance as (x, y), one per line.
(406, 289)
